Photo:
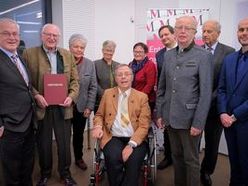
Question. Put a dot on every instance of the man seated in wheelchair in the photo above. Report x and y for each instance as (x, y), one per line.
(121, 123)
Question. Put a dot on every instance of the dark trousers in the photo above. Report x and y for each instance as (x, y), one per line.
(213, 131)
(17, 157)
(79, 122)
(54, 121)
(120, 173)
(237, 144)
(185, 156)
(167, 147)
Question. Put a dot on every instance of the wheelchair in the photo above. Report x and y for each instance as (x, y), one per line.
(148, 170)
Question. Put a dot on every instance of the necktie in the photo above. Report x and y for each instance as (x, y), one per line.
(16, 62)
(210, 49)
(124, 111)
(240, 68)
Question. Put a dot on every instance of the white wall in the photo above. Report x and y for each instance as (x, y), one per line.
(124, 21)
(113, 22)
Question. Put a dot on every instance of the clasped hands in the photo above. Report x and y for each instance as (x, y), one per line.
(227, 120)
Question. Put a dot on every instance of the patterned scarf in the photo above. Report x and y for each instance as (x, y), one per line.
(135, 66)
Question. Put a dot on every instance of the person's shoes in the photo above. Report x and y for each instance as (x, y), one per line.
(164, 163)
(81, 164)
(68, 181)
(42, 182)
(206, 179)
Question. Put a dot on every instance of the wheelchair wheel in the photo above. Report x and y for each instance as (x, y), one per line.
(152, 159)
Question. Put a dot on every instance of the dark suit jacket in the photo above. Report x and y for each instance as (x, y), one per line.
(16, 101)
(138, 109)
(220, 52)
(233, 96)
(160, 60)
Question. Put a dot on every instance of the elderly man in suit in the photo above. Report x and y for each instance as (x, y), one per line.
(50, 59)
(16, 110)
(233, 106)
(210, 32)
(183, 100)
(121, 123)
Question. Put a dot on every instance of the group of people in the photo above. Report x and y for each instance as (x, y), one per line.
(198, 88)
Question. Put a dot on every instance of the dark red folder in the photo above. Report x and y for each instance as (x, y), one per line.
(55, 88)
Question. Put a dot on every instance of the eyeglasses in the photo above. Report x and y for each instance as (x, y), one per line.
(138, 52)
(243, 29)
(125, 74)
(51, 35)
(185, 28)
(8, 34)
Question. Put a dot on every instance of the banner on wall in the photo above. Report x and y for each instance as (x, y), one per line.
(159, 17)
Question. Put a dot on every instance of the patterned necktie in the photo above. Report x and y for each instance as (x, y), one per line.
(124, 111)
(16, 62)
(210, 49)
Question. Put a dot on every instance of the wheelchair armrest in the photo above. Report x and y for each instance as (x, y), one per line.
(150, 133)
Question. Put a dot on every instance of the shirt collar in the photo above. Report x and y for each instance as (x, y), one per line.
(8, 53)
(128, 92)
(213, 46)
(241, 53)
(49, 51)
(185, 49)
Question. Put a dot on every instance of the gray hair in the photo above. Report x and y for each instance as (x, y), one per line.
(191, 18)
(8, 20)
(109, 43)
(77, 37)
(123, 65)
(49, 25)
(216, 24)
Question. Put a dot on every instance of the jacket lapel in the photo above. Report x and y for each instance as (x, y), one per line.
(115, 98)
(12, 66)
(243, 73)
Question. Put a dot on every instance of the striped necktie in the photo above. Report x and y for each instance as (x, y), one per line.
(210, 49)
(124, 111)
(15, 59)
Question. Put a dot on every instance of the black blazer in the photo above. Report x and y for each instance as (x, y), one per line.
(16, 101)
(220, 52)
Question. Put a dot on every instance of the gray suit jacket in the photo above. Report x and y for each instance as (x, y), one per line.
(87, 85)
(185, 88)
(220, 52)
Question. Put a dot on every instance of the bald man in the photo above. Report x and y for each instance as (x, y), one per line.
(233, 106)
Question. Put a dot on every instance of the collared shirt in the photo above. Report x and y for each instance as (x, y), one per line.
(20, 64)
(52, 56)
(117, 129)
(213, 47)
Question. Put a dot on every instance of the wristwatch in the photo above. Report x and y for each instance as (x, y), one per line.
(131, 144)
(233, 118)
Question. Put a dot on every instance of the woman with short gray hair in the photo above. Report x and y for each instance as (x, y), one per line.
(86, 98)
